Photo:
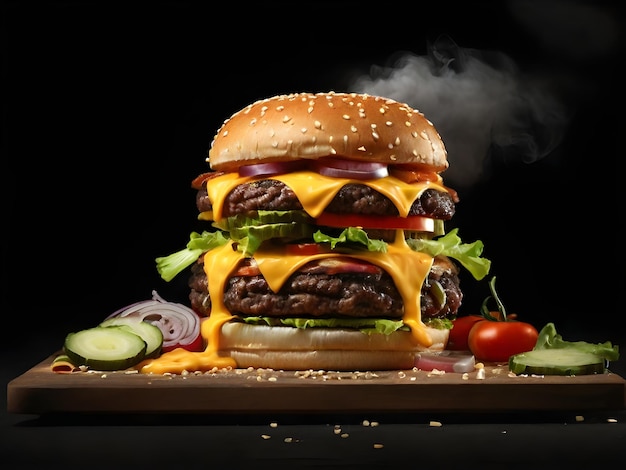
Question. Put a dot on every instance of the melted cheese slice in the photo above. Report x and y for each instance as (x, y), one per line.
(408, 268)
(315, 191)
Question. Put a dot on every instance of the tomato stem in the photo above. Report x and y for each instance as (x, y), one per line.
(494, 295)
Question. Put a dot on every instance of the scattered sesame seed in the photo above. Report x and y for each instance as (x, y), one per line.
(344, 435)
(266, 437)
(580, 418)
(378, 446)
(611, 420)
(435, 424)
(273, 425)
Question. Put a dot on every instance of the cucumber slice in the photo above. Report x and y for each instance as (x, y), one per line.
(560, 361)
(151, 334)
(110, 348)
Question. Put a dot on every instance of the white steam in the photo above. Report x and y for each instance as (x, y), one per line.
(477, 100)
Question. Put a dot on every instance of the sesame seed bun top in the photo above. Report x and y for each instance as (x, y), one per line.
(310, 126)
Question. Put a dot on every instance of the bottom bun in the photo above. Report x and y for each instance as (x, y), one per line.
(287, 348)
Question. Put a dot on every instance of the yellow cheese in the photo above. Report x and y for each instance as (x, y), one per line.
(315, 191)
(408, 268)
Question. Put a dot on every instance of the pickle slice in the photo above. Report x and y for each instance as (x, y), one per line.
(559, 361)
(105, 348)
(150, 333)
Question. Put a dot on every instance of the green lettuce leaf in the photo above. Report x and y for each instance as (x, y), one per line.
(171, 265)
(351, 236)
(468, 254)
(383, 326)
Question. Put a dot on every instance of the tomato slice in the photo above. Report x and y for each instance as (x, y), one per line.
(305, 249)
(415, 223)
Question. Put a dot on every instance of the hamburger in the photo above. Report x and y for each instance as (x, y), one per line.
(325, 244)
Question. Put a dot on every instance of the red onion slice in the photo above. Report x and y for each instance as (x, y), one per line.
(179, 324)
(272, 168)
(339, 168)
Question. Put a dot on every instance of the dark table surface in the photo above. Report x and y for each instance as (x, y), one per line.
(569, 439)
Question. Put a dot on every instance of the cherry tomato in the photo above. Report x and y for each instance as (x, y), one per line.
(497, 341)
(415, 223)
(457, 341)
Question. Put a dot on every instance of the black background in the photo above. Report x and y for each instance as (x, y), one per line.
(109, 109)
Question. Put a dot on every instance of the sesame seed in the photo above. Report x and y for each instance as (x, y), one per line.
(388, 123)
(375, 136)
(345, 139)
(424, 135)
(397, 141)
(353, 128)
(253, 122)
(381, 110)
(361, 148)
(333, 151)
(407, 123)
(286, 119)
(310, 109)
(317, 124)
(225, 134)
(373, 126)
(280, 108)
(414, 134)
(275, 144)
(390, 146)
(346, 117)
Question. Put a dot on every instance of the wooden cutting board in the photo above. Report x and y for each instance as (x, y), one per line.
(41, 391)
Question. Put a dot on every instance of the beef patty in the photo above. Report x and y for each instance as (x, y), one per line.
(314, 294)
(351, 199)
